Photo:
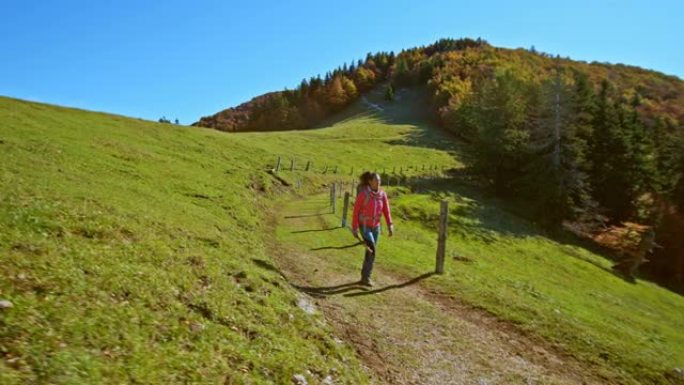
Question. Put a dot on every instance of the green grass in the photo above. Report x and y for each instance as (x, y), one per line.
(128, 247)
(131, 251)
(626, 333)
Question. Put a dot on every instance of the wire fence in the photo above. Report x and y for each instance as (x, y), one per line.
(346, 187)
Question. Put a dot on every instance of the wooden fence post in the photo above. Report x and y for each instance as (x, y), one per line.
(441, 240)
(345, 209)
(277, 167)
(335, 172)
(352, 171)
(292, 164)
(333, 198)
(308, 165)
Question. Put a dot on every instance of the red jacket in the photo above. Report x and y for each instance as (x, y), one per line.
(368, 208)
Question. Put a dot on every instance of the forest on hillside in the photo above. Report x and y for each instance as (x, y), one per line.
(593, 143)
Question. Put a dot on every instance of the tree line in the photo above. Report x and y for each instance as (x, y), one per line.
(310, 102)
(575, 143)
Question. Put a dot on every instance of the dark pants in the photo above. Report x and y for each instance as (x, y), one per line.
(370, 236)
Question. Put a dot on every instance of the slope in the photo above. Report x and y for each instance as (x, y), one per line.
(141, 252)
(128, 252)
(528, 308)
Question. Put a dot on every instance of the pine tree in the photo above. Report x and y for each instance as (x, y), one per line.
(498, 114)
(613, 167)
(602, 145)
(555, 178)
(402, 72)
(389, 93)
(669, 147)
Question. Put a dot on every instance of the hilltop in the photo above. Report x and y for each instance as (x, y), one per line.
(446, 67)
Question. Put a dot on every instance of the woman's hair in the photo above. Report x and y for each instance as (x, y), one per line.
(365, 178)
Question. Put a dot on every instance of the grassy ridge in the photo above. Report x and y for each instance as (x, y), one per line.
(127, 252)
(130, 249)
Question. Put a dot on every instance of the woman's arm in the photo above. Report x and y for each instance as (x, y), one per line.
(387, 213)
(355, 213)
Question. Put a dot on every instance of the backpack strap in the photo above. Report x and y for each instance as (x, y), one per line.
(366, 198)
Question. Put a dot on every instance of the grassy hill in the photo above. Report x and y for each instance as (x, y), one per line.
(139, 252)
(128, 249)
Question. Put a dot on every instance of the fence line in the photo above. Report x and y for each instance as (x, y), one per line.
(337, 191)
(336, 169)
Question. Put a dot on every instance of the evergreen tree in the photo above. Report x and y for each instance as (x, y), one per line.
(615, 151)
(389, 93)
(553, 178)
(498, 114)
(402, 72)
(604, 147)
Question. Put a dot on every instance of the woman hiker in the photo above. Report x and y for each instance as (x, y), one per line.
(371, 203)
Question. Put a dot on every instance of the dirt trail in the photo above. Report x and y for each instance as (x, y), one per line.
(371, 105)
(407, 334)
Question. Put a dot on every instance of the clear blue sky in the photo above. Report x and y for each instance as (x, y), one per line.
(187, 59)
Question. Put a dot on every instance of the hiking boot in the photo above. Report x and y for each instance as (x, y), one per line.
(366, 282)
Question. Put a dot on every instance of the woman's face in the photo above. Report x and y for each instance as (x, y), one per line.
(375, 183)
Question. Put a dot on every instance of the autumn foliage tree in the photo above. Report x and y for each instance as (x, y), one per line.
(312, 101)
(571, 140)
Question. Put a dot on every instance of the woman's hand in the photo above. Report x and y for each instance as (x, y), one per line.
(391, 230)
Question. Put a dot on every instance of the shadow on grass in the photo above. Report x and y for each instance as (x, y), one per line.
(337, 247)
(314, 291)
(355, 287)
(474, 212)
(327, 291)
(304, 216)
(395, 286)
(495, 217)
(267, 266)
(314, 230)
